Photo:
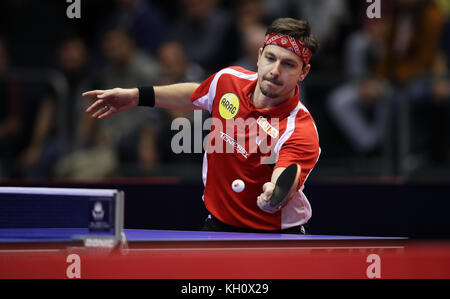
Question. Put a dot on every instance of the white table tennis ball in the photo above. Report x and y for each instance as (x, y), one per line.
(238, 186)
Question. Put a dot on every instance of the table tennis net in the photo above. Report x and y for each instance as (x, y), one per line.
(88, 210)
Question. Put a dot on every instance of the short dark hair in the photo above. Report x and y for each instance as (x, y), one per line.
(298, 29)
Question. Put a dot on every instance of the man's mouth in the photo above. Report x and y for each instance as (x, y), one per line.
(275, 82)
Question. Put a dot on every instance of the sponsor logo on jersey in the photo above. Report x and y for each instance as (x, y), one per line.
(229, 106)
(267, 127)
(234, 143)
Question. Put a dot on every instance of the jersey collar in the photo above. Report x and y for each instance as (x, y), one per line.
(281, 111)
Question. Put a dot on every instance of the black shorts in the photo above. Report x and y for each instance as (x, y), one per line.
(215, 225)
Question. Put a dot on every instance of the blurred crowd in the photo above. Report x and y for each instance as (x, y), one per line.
(378, 89)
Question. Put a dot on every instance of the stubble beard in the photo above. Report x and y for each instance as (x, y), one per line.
(267, 93)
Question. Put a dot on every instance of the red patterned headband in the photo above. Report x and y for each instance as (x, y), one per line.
(290, 43)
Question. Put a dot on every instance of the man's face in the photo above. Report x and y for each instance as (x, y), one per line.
(279, 70)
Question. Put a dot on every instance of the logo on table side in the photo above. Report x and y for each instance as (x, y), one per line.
(229, 106)
(98, 213)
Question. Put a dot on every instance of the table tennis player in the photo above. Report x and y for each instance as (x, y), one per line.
(246, 190)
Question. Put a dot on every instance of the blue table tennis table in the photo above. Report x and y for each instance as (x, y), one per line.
(64, 235)
(38, 253)
(102, 248)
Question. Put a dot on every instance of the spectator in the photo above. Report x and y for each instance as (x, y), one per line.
(325, 16)
(330, 20)
(252, 39)
(208, 34)
(430, 99)
(144, 22)
(360, 107)
(10, 120)
(114, 144)
(176, 67)
(26, 123)
(38, 106)
(412, 52)
(413, 40)
(72, 63)
(252, 12)
(438, 115)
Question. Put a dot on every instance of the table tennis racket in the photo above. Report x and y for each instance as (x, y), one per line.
(286, 186)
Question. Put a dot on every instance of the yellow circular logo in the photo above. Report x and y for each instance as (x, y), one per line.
(229, 106)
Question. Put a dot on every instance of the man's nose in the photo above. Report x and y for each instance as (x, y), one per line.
(276, 69)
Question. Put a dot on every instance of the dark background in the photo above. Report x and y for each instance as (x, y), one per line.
(400, 186)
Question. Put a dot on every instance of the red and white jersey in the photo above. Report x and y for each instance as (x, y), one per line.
(248, 144)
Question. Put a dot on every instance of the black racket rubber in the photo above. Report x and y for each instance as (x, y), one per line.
(283, 185)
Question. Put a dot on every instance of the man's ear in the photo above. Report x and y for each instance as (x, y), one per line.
(259, 56)
(304, 73)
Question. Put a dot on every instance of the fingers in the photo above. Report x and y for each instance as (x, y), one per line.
(100, 109)
(268, 188)
(93, 93)
(103, 111)
(108, 112)
(263, 200)
(97, 94)
(95, 106)
(263, 204)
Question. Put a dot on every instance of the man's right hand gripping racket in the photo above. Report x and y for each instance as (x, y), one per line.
(284, 190)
